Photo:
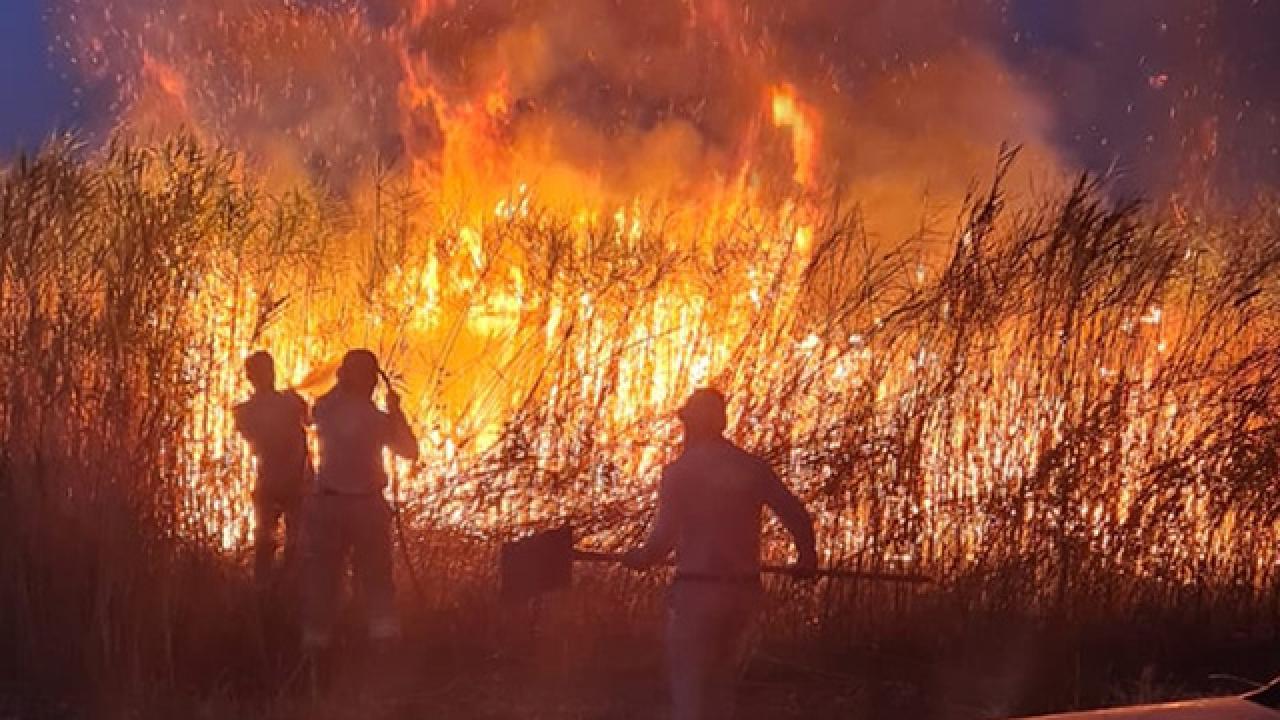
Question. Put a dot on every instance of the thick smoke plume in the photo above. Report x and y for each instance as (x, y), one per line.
(586, 100)
(656, 98)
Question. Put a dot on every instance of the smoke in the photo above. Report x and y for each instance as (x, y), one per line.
(585, 99)
(664, 98)
(602, 101)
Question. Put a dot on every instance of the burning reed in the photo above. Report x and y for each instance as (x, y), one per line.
(1063, 408)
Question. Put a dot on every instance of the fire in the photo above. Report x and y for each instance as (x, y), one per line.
(789, 112)
(547, 266)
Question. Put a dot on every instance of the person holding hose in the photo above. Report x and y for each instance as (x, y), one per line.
(348, 513)
(710, 504)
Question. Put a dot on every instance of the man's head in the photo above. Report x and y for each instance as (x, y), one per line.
(260, 369)
(703, 414)
(358, 373)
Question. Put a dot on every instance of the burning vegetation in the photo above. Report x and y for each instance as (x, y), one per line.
(1057, 404)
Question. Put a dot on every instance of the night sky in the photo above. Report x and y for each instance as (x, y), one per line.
(38, 99)
(1128, 83)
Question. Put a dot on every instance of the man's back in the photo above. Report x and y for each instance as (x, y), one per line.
(274, 423)
(352, 433)
(711, 505)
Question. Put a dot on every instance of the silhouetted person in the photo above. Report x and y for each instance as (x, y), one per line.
(274, 423)
(348, 513)
(709, 513)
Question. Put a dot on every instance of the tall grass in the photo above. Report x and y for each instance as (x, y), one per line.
(1062, 409)
(108, 589)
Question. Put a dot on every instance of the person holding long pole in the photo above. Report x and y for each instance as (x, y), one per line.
(710, 505)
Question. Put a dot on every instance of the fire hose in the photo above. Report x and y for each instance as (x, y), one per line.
(397, 515)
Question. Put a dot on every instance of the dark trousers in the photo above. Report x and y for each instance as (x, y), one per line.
(339, 527)
(268, 512)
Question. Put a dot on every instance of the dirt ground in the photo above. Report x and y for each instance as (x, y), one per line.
(583, 657)
(620, 677)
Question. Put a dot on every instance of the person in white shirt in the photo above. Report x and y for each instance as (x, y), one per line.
(710, 504)
(348, 513)
(274, 423)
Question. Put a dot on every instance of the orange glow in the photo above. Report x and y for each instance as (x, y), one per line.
(789, 112)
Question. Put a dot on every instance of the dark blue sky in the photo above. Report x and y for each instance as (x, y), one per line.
(37, 98)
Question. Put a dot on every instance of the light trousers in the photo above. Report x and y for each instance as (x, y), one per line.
(709, 629)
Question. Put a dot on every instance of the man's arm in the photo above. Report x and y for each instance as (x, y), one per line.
(400, 438)
(794, 517)
(242, 414)
(662, 538)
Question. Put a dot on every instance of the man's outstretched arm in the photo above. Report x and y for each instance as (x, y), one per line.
(795, 518)
(662, 538)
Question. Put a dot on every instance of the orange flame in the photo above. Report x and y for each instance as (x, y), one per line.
(802, 120)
